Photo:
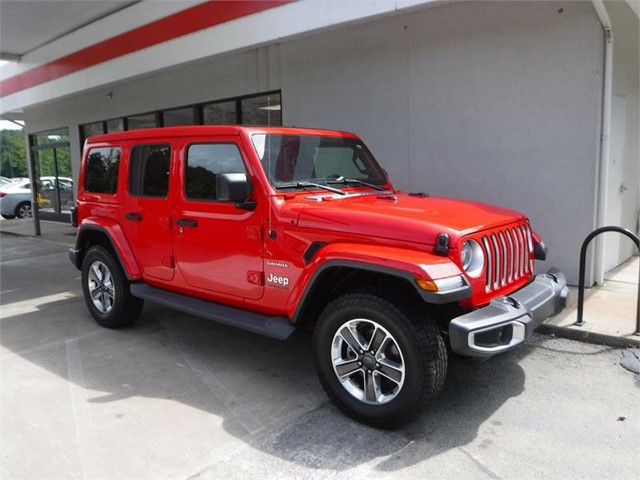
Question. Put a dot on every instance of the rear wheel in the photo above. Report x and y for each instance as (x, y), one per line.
(23, 210)
(376, 363)
(106, 290)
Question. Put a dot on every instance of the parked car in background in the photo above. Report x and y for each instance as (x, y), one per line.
(15, 197)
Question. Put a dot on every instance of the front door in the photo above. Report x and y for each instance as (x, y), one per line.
(147, 212)
(218, 246)
(617, 247)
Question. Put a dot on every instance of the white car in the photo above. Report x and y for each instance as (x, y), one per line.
(4, 181)
(15, 197)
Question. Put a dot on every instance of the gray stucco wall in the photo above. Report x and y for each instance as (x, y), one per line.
(494, 101)
(498, 102)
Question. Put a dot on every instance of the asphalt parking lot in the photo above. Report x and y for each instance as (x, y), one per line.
(175, 396)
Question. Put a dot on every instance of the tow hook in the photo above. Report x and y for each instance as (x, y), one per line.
(512, 301)
(552, 276)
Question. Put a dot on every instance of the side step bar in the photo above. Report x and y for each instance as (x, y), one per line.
(275, 327)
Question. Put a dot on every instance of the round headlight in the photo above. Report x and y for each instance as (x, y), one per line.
(472, 258)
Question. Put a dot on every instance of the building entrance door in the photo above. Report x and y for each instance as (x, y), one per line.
(52, 175)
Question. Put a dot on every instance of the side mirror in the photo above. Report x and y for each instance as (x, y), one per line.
(234, 187)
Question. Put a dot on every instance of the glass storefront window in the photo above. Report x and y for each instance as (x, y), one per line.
(142, 121)
(90, 129)
(52, 171)
(262, 110)
(223, 113)
(115, 125)
(179, 116)
(51, 136)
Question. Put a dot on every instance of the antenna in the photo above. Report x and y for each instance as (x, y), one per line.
(272, 233)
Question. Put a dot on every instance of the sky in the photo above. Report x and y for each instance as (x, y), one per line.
(4, 125)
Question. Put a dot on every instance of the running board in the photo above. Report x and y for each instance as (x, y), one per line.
(275, 327)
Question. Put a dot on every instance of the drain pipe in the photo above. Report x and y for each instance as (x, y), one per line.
(607, 92)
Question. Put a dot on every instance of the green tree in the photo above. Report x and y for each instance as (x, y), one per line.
(13, 154)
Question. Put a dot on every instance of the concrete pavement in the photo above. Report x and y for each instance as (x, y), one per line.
(178, 397)
(609, 311)
(175, 396)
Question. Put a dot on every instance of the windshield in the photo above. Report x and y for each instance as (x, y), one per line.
(301, 160)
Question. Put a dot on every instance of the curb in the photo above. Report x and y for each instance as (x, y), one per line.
(38, 237)
(589, 337)
(16, 234)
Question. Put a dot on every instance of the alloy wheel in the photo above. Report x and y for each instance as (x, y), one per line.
(368, 361)
(24, 211)
(101, 288)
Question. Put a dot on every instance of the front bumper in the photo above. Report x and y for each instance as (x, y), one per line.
(507, 321)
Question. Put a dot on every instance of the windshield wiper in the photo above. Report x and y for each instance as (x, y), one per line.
(355, 180)
(309, 184)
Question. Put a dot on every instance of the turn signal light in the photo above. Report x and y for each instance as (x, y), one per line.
(442, 284)
(428, 285)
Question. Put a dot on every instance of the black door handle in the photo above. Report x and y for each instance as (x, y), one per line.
(133, 216)
(187, 222)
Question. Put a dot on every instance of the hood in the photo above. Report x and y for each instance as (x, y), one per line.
(403, 217)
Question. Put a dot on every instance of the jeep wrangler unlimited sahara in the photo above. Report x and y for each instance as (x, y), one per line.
(270, 229)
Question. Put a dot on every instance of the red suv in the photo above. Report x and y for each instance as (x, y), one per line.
(271, 229)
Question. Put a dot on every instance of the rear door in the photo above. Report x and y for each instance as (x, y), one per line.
(147, 212)
(218, 246)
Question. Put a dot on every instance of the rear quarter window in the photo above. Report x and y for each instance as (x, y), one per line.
(101, 170)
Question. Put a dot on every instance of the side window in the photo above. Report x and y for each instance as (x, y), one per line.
(149, 170)
(204, 162)
(101, 175)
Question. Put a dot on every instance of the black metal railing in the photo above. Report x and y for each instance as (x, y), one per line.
(583, 256)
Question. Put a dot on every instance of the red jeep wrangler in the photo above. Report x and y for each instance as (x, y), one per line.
(270, 229)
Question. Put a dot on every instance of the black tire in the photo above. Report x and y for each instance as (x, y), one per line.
(8, 217)
(422, 350)
(114, 307)
(23, 210)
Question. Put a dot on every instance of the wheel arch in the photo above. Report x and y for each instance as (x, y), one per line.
(336, 277)
(110, 236)
(392, 272)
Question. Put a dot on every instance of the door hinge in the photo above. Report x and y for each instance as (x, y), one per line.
(254, 232)
(255, 277)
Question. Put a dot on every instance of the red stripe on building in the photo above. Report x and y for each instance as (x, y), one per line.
(205, 15)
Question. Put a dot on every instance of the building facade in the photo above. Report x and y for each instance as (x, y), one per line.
(531, 105)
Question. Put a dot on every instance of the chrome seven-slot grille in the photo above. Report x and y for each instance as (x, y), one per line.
(508, 255)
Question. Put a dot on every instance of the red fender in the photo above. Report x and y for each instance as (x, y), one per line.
(409, 263)
(114, 232)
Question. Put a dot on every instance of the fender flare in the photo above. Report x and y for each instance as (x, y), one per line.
(114, 233)
(410, 265)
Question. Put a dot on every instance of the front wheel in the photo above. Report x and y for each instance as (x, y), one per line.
(377, 364)
(106, 290)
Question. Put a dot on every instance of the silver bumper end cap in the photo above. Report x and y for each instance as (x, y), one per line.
(507, 321)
